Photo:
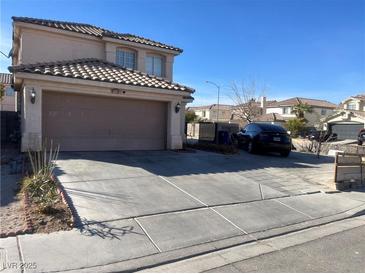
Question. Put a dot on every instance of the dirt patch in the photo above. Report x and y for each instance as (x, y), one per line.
(59, 218)
(12, 217)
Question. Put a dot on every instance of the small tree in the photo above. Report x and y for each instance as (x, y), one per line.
(295, 126)
(191, 117)
(247, 106)
(301, 109)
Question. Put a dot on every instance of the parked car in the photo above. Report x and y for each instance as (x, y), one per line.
(361, 137)
(263, 137)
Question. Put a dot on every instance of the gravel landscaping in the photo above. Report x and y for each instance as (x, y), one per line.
(18, 215)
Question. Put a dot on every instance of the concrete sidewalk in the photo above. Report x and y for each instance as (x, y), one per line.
(334, 247)
(137, 243)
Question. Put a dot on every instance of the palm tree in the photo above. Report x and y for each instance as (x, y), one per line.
(300, 109)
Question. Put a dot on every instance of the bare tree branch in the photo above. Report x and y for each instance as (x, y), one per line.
(247, 105)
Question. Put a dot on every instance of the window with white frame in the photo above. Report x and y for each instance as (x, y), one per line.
(154, 65)
(126, 58)
(351, 105)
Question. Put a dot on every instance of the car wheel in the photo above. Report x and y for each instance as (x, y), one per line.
(251, 147)
(285, 153)
(359, 143)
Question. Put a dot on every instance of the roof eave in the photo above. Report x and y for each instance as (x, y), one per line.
(140, 45)
(36, 76)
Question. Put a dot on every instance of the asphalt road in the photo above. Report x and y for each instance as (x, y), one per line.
(341, 252)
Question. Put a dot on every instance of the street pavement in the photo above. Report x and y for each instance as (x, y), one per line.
(340, 252)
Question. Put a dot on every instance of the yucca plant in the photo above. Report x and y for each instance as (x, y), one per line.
(41, 185)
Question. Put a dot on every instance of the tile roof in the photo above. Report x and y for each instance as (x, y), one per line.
(296, 100)
(94, 31)
(6, 78)
(359, 96)
(99, 70)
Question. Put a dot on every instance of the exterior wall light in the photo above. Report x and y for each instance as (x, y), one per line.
(177, 107)
(32, 96)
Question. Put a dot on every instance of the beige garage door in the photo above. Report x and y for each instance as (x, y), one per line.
(90, 123)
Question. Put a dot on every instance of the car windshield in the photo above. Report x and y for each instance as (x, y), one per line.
(271, 128)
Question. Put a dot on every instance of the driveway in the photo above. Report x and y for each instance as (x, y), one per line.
(107, 186)
(138, 209)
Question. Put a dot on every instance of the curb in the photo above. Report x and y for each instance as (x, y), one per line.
(75, 218)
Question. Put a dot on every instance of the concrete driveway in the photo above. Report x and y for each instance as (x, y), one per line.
(137, 209)
(107, 186)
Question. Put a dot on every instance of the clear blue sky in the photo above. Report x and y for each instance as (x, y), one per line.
(308, 48)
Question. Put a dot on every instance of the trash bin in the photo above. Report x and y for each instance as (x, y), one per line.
(223, 137)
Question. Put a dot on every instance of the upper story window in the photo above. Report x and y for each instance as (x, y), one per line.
(155, 65)
(126, 58)
(351, 105)
(323, 111)
(286, 110)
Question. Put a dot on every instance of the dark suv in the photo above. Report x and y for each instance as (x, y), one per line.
(263, 137)
(361, 137)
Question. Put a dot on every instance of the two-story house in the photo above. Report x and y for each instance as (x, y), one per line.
(213, 113)
(320, 109)
(8, 101)
(88, 88)
(348, 119)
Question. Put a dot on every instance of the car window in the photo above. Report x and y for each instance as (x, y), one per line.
(272, 128)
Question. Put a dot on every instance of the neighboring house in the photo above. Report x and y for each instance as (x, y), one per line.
(88, 88)
(210, 113)
(320, 109)
(256, 106)
(348, 119)
(8, 102)
(271, 118)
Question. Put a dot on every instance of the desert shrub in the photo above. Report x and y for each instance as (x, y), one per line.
(40, 185)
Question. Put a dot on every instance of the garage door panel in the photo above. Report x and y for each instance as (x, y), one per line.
(346, 131)
(79, 122)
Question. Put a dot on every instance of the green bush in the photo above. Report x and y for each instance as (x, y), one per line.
(41, 186)
(295, 126)
(42, 190)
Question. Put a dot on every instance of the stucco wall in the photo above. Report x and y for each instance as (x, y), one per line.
(41, 46)
(111, 49)
(274, 110)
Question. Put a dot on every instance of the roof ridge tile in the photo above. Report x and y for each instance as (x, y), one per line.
(94, 31)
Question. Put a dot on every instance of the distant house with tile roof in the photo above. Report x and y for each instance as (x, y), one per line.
(348, 119)
(210, 113)
(89, 88)
(320, 109)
